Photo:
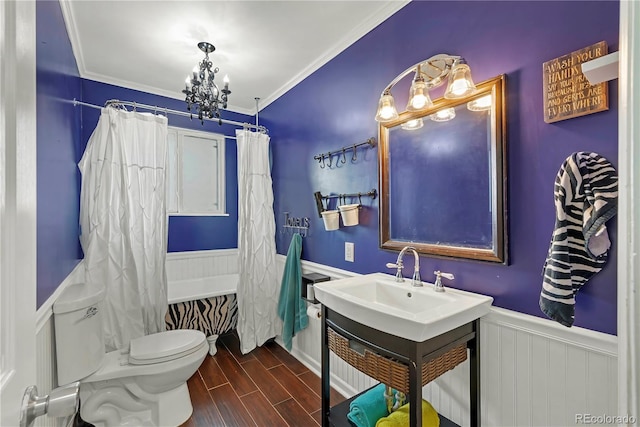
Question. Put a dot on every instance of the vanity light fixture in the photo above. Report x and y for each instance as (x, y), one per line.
(201, 91)
(480, 104)
(443, 115)
(429, 74)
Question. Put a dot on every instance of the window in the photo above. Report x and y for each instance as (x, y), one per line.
(196, 175)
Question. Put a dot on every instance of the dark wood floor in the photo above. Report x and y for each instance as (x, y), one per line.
(267, 387)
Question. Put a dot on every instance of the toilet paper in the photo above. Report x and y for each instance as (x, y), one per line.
(313, 312)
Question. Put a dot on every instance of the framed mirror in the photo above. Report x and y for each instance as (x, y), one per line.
(442, 177)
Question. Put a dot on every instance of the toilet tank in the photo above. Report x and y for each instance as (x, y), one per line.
(78, 330)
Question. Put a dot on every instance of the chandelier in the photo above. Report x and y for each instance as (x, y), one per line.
(201, 91)
(429, 74)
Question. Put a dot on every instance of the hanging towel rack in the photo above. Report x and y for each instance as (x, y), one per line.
(342, 153)
(301, 225)
(319, 198)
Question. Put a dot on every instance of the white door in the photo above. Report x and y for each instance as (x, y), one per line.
(17, 205)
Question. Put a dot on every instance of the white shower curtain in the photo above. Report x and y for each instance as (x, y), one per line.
(258, 287)
(123, 222)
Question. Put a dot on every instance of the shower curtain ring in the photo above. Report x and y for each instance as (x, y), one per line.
(355, 154)
(321, 161)
(343, 160)
(359, 198)
(330, 159)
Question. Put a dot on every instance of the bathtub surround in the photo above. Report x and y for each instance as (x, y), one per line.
(123, 222)
(586, 196)
(258, 284)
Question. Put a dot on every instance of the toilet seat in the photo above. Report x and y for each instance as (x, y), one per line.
(164, 346)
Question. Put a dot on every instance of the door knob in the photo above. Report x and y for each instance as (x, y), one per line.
(60, 402)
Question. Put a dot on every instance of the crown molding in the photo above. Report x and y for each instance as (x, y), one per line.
(358, 31)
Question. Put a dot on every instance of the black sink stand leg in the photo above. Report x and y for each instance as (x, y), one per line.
(474, 391)
(326, 391)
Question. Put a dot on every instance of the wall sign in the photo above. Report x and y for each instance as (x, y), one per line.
(567, 92)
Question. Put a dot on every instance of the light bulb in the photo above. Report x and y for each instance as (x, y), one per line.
(387, 112)
(460, 82)
(226, 79)
(386, 109)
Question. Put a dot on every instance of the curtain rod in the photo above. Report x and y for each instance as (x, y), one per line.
(155, 108)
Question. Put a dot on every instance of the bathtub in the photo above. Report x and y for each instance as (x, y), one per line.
(207, 304)
(203, 287)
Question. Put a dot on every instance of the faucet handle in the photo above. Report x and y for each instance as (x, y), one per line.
(397, 265)
(438, 287)
(449, 276)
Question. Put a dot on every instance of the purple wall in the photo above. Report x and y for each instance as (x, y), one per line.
(186, 233)
(58, 142)
(335, 107)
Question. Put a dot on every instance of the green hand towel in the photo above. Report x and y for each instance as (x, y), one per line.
(291, 307)
(400, 418)
(366, 409)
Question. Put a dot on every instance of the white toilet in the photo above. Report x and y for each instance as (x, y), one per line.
(144, 385)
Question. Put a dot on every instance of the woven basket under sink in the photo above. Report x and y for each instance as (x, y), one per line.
(389, 371)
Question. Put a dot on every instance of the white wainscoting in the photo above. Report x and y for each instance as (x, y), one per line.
(534, 372)
(198, 264)
(46, 375)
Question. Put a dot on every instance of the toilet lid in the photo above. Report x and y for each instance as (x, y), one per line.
(164, 346)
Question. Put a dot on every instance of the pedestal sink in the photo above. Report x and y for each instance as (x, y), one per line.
(397, 308)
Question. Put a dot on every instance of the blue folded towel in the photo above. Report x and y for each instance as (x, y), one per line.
(366, 409)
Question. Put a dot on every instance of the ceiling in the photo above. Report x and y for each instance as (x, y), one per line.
(265, 47)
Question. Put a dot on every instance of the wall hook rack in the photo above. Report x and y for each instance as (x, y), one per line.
(341, 153)
(343, 197)
(300, 225)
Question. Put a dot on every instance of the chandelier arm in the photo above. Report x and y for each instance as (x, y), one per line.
(444, 57)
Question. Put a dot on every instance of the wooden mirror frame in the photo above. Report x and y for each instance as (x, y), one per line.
(498, 253)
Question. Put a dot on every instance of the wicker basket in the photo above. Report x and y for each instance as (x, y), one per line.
(389, 371)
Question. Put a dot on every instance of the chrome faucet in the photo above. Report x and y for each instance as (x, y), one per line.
(438, 287)
(415, 280)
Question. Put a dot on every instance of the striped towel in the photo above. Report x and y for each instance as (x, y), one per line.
(586, 194)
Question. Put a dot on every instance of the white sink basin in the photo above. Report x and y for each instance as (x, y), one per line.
(414, 313)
